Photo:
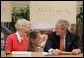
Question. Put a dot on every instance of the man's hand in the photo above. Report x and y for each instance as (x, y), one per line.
(76, 51)
(57, 52)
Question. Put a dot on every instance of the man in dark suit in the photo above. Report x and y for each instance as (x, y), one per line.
(62, 40)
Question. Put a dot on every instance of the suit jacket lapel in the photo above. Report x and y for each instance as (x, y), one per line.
(67, 41)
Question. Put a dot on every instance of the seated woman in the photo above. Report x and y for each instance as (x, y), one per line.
(35, 41)
(18, 41)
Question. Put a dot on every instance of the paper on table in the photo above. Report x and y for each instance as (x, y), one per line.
(21, 54)
(46, 53)
(66, 53)
(50, 54)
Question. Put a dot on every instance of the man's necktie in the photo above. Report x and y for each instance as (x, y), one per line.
(61, 44)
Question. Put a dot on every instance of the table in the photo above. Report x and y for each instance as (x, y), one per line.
(39, 54)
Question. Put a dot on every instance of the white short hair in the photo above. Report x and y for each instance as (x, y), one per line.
(21, 22)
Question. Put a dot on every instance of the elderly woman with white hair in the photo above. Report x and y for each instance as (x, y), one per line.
(18, 41)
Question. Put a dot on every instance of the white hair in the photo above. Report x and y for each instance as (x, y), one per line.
(21, 22)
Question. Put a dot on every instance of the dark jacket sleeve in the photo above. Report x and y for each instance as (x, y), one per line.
(76, 42)
(48, 44)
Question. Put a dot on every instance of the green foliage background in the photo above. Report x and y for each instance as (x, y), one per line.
(23, 13)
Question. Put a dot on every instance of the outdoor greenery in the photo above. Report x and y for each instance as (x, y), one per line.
(80, 25)
(23, 13)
